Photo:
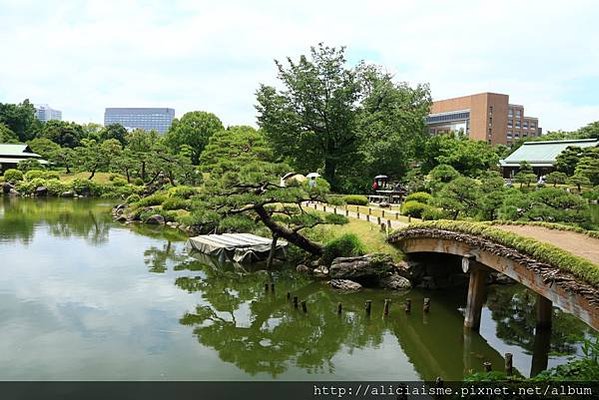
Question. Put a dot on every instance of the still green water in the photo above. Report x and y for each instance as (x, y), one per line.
(84, 298)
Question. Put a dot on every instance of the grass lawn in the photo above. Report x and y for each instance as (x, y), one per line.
(376, 211)
(373, 239)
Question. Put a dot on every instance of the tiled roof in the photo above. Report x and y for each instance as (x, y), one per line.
(544, 153)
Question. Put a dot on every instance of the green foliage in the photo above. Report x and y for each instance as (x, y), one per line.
(347, 245)
(175, 203)
(523, 177)
(554, 178)
(230, 149)
(440, 175)
(29, 186)
(56, 187)
(355, 199)
(134, 198)
(119, 182)
(155, 199)
(433, 213)
(542, 252)
(460, 196)
(20, 119)
(115, 132)
(35, 173)
(547, 204)
(86, 187)
(64, 134)
(421, 197)
(414, 208)
(6, 135)
(579, 179)
(342, 120)
(29, 164)
(466, 156)
(182, 192)
(13, 175)
(194, 129)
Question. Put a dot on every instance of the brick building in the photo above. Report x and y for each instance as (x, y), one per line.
(483, 116)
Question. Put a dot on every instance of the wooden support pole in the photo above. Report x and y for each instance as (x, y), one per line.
(396, 215)
(487, 366)
(368, 217)
(386, 307)
(368, 306)
(389, 223)
(358, 214)
(426, 305)
(295, 302)
(288, 295)
(339, 308)
(324, 208)
(509, 369)
(383, 213)
(544, 312)
(304, 306)
(476, 297)
(369, 210)
(408, 305)
(346, 212)
(378, 220)
(334, 210)
(409, 219)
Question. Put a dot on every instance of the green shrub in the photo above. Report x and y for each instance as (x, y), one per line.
(118, 181)
(355, 199)
(175, 203)
(134, 198)
(13, 175)
(421, 197)
(86, 187)
(236, 223)
(34, 174)
(56, 187)
(203, 220)
(27, 165)
(433, 213)
(30, 186)
(346, 245)
(182, 192)
(414, 208)
(152, 200)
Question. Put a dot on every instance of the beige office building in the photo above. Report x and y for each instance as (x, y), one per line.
(483, 116)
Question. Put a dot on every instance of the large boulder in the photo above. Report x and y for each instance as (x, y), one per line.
(395, 281)
(368, 266)
(68, 194)
(345, 285)
(7, 187)
(41, 191)
(155, 219)
(303, 269)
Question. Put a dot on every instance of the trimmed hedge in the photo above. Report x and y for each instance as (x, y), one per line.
(421, 197)
(414, 208)
(542, 252)
(347, 245)
(548, 225)
(13, 175)
(356, 199)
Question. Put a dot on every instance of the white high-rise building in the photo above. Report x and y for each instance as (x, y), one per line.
(44, 113)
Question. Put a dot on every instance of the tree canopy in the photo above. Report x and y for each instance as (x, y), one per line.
(194, 130)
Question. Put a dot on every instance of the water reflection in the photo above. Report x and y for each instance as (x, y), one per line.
(78, 288)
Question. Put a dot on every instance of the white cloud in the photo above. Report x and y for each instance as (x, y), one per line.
(84, 56)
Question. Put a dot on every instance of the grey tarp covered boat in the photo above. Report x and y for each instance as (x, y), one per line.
(237, 247)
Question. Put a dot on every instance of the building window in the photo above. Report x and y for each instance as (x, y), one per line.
(518, 113)
(525, 124)
(517, 124)
(510, 123)
(510, 112)
(532, 125)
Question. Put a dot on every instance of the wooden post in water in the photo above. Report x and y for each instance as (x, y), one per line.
(304, 307)
(544, 312)
(339, 308)
(509, 369)
(426, 305)
(386, 307)
(487, 366)
(295, 304)
(368, 306)
(408, 305)
(476, 297)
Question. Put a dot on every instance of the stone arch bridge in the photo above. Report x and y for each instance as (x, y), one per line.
(554, 284)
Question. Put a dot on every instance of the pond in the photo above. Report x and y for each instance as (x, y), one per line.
(82, 297)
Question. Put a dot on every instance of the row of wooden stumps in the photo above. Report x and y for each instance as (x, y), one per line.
(426, 306)
(509, 367)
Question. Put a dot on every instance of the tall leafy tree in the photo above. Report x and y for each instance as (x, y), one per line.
(114, 131)
(194, 130)
(20, 119)
(312, 121)
(6, 135)
(65, 134)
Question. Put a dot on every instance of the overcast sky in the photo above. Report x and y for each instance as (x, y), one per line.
(83, 56)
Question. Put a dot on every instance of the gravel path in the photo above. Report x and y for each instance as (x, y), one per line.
(576, 243)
